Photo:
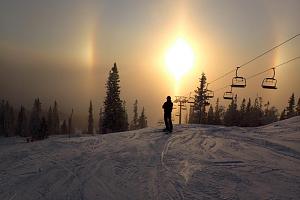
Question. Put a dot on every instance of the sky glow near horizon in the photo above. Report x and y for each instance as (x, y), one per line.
(64, 49)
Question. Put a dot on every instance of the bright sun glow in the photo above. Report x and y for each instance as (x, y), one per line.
(179, 58)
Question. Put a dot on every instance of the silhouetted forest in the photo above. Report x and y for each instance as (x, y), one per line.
(248, 113)
(37, 123)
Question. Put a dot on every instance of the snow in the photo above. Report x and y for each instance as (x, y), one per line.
(194, 162)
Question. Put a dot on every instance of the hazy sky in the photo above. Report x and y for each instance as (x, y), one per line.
(63, 49)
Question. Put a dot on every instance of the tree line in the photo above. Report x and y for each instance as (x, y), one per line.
(248, 113)
(39, 124)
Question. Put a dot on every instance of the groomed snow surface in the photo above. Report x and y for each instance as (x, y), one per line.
(194, 162)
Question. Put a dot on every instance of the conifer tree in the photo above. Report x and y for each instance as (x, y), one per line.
(7, 119)
(114, 114)
(291, 107)
(248, 115)
(231, 115)
(200, 101)
(218, 113)
(125, 117)
(257, 112)
(91, 120)
(134, 123)
(283, 115)
(2, 118)
(142, 121)
(210, 115)
(70, 124)
(50, 121)
(242, 115)
(298, 108)
(21, 127)
(35, 119)
(56, 123)
(270, 114)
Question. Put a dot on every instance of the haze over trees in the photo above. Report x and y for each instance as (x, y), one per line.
(39, 124)
(248, 113)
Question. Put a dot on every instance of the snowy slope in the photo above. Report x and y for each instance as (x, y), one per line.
(195, 162)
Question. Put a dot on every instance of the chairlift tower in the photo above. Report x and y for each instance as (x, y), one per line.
(181, 100)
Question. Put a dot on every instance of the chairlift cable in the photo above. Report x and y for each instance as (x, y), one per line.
(253, 59)
(254, 75)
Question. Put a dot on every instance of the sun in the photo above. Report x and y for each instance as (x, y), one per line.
(179, 58)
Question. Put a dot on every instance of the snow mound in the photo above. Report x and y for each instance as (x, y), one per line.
(194, 162)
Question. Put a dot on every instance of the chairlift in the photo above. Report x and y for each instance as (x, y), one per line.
(238, 81)
(269, 83)
(228, 95)
(209, 93)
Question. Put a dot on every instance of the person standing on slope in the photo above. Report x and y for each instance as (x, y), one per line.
(168, 106)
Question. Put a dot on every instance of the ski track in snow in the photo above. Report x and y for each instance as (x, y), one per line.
(193, 162)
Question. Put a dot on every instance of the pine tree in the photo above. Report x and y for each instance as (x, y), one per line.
(218, 111)
(134, 122)
(142, 121)
(291, 107)
(2, 119)
(257, 112)
(21, 127)
(100, 122)
(248, 115)
(70, 124)
(56, 123)
(114, 116)
(210, 115)
(35, 119)
(231, 114)
(125, 117)
(298, 108)
(242, 114)
(43, 132)
(7, 119)
(200, 101)
(91, 120)
(283, 115)
(50, 121)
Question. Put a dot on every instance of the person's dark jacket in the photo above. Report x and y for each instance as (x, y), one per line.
(168, 106)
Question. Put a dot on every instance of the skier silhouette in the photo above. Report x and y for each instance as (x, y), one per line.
(168, 106)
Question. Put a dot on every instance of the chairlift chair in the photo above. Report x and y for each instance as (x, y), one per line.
(209, 93)
(269, 83)
(228, 95)
(238, 81)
